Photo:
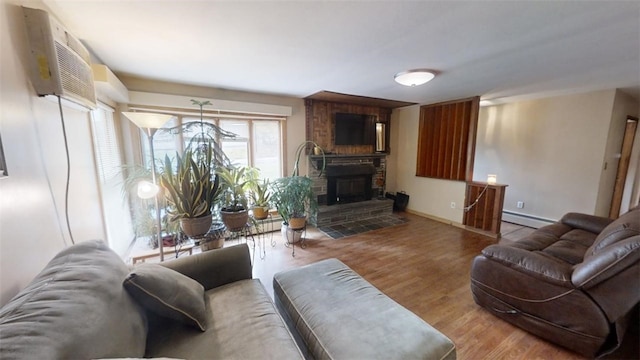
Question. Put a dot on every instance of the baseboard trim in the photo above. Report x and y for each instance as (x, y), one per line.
(453, 223)
(526, 219)
(436, 218)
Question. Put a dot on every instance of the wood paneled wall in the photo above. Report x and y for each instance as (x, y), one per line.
(446, 139)
(483, 207)
(320, 118)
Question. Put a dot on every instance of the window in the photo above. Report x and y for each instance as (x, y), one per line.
(108, 160)
(266, 150)
(107, 151)
(164, 143)
(237, 149)
(258, 142)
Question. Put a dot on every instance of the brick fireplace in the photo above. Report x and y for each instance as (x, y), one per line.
(349, 188)
(352, 196)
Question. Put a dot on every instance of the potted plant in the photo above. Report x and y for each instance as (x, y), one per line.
(293, 196)
(191, 190)
(260, 197)
(234, 183)
(295, 200)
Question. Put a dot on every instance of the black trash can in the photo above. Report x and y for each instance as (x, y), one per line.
(400, 200)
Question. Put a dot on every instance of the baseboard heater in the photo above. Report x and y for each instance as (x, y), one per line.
(525, 219)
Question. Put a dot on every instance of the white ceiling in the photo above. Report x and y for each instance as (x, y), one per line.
(494, 49)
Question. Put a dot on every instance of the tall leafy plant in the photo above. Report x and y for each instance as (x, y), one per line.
(294, 198)
(204, 135)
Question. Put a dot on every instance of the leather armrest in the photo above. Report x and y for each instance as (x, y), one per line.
(607, 263)
(531, 263)
(591, 223)
(215, 267)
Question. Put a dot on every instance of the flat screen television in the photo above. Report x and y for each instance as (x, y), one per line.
(354, 129)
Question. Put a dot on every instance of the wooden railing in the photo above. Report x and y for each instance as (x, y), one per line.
(483, 207)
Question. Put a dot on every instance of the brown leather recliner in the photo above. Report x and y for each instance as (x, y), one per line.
(573, 283)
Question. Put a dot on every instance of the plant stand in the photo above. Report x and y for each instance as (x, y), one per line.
(290, 238)
(264, 226)
(179, 248)
(246, 233)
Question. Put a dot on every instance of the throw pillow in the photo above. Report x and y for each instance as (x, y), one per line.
(168, 293)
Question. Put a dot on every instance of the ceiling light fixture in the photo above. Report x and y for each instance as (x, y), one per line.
(414, 77)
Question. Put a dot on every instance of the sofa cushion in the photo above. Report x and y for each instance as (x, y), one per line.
(76, 308)
(168, 293)
(242, 322)
(559, 242)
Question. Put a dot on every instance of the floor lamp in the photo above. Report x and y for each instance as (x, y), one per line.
(149, 123)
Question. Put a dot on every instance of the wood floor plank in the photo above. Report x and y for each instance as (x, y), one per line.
(425, 266)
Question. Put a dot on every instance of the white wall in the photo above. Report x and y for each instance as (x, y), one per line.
(549, 151)
(32, 225)
(427, 196)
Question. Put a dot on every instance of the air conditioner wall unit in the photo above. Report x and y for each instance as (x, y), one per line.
(59, 64)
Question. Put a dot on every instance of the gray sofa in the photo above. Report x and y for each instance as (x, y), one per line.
(201, 306)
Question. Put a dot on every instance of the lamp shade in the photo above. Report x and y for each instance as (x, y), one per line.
(414, 77)
(147, 190)
(148, 120)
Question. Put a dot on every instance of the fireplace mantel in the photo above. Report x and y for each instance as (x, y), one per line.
(376, 158)
(348, 156)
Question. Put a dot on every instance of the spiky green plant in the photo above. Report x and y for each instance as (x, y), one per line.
(191, 187)
(261, 193)
(234, 183)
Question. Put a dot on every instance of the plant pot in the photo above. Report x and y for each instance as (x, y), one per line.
(217, 230)
(169, 240)
(234, 220)
(260, 212)
(214, 238)
(211, 243)
(194, 227)
(297, 223)
(289, 235)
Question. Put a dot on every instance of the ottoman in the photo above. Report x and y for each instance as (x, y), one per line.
(335, 314)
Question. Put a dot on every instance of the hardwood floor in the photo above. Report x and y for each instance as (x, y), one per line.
(424, 265)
